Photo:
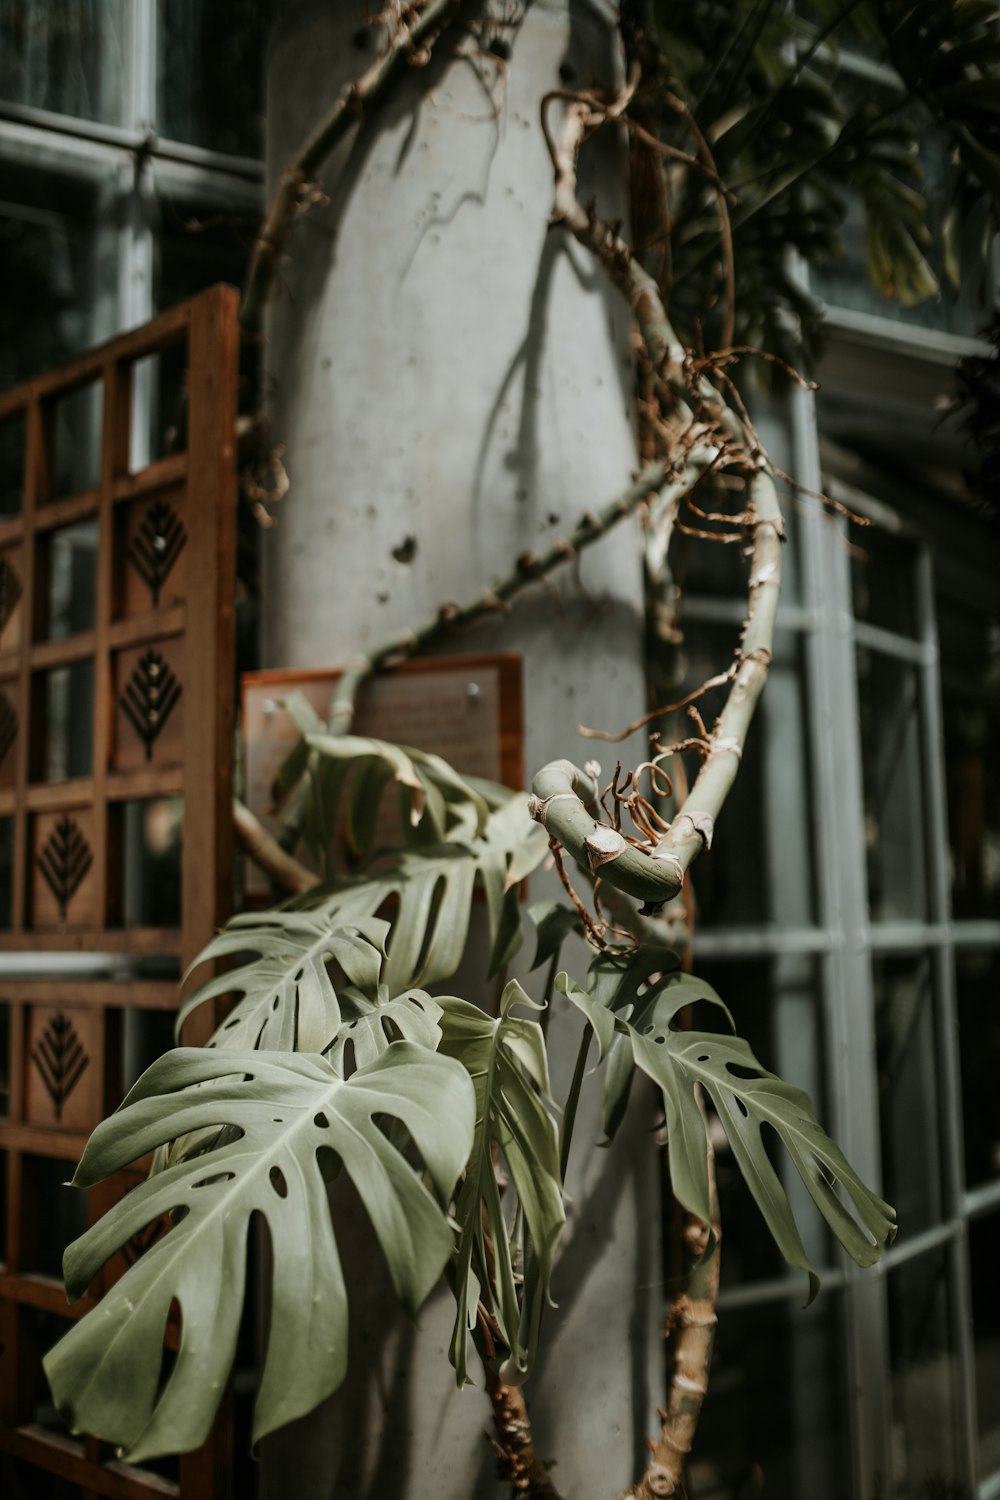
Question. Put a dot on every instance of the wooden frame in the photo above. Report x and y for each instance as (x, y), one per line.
(416, 703)
(162, 726)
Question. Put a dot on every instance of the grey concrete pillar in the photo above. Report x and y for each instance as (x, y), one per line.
(451, 381)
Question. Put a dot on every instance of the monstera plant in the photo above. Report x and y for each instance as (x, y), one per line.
(336, 1058)
(341, 1053)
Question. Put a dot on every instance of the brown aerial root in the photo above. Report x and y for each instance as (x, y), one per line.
(512, 1440)
(517, 1460)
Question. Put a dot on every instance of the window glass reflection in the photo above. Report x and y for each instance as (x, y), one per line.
(926, 1416)
(59, 248)
(70, 562)
(978, 977)
(984, 1257)
(66, 55)
(210, 73)
(846, 282)
(64, 703)
(775, 1419)
(883, 581)
(970, 689)
(909, 1105)
(892, 777)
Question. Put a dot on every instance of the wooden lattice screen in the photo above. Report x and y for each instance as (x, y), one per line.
(116, 721)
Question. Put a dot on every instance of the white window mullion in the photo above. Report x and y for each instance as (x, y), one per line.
(841, 881)
(946, 1007)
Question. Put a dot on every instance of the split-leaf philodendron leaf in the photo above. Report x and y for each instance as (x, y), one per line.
(297, 1119)
(288, 1000)
(746, 1098)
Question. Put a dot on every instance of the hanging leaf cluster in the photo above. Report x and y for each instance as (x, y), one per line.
(633, 1002)
(341, 780)
(803, 146)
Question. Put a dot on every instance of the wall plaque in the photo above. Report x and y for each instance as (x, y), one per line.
(468, 709)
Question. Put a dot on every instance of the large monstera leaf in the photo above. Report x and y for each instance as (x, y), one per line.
(505, 1057)
(746, 1097)
(288, 1000)
(297, 1120)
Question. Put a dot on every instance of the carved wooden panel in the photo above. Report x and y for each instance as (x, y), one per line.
(105, 572)
(149, 706)
(64, 1076)
(11, 590)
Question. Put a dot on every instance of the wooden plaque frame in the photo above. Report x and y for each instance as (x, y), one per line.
(470, 709)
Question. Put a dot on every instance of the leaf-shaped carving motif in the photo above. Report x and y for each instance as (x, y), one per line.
(156, 546)
(64, 861)
(60, 1060)
(151, 694)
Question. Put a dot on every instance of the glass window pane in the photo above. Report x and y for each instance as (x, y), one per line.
(978, 977)
(883, 581)
(59, 248)
(69, 566)
(210, 86)
(984, 1257)
(775, 1419)
(66, 55)
(847, 283)
(906, 1052)
(891, 761)
(760, 867)
(970, 689)
(12, 435)
(775, 1003)
(6, 871)
(195, 249)
(64, 722)
(926, 1417)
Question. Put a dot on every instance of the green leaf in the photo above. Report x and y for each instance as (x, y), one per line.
(643, 1006)
(370, 1026)
(746, 1098)
(601, 1019)
(296, 1117)
(288, 1003)
(505, 1058)
(288, 1000)
(554, 922)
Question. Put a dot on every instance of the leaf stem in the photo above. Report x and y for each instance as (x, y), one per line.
(573, 1100)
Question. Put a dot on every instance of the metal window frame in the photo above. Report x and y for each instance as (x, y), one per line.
(845, 941)
(145, 168)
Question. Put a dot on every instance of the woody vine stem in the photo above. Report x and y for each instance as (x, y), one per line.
(700, 434)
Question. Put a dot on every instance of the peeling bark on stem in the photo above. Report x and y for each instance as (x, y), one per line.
(514, 1444)
(691, 1329)
(563, 795)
